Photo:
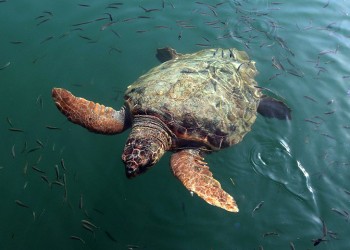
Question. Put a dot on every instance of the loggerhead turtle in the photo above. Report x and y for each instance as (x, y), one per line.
(191, 104)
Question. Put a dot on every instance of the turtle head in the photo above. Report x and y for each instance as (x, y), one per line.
(146, 144)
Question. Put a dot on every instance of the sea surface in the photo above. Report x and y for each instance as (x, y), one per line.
(62, 187)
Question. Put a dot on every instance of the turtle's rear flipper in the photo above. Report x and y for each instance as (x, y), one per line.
(272, 108)
(188, 166)
(166, 54)
(93, 116)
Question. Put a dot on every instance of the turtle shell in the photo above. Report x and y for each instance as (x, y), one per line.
(205, 98)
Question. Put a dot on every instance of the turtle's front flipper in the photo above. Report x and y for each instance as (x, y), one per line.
(193, 172)
(93, 116)
(166, 54)
(272, 108)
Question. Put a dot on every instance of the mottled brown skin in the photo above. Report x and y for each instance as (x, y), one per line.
(193, 172)
(190, 104)
(93, 116)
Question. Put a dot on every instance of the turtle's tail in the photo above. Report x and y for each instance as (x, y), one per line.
(93, 116)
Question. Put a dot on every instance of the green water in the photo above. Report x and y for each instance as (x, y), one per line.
(300, 169)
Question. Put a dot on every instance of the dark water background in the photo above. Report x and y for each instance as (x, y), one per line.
(300, 169)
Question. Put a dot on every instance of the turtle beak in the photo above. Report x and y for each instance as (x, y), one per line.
(133, 171)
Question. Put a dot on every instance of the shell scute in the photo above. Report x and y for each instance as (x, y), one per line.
(208, 97)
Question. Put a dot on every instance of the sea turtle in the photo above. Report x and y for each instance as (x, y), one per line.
(191, 104)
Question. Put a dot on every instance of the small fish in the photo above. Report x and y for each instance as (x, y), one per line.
(110, 16)
(39, 100)
(295, 73)
(144, 17)
(86, 222)
(115, 49)
(131, 247)
(34, 149)
(48, 12)
(83, 5)
(270, 234)
(44, 178)
(73, 237)
(258, 207)
(81, 202)
(329, 136)
(101, 18)
(25, 168)
(38, 170)
(85, 37)
(203, 45)
(330, 102)
(141, 31)
(107, 25)
(65, 187)
(16, 42)
(180, 35)
(13, 151)
(277, 64)
(274, 76)
(9, 121)
(324, 228)
(43, 21)
(98, 211)
(57, 171)
(110, 236)
(115, 33)
(88, 228)
(40, 143)
(52, 127)
(83, 23)
(5, 66)
(329, 112)
(46, 39)
(149, 10)
(310, 98)
(57, 183)
(39, 17)
(339, 212)
(63, 164)
(318, 241)
(292, 247)
(161, 27)
(16, 129)
(311, 121)
(39, 159)
(21, 204)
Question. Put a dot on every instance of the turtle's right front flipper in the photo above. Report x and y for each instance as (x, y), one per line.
(93, 116)
(191, 169)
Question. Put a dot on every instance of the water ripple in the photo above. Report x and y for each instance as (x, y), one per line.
(275, 162)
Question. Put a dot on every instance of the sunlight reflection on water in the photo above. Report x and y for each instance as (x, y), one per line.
(275, 161)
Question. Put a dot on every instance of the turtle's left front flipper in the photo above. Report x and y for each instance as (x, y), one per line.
(188, 166)
(93, 116)
(272, 108)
